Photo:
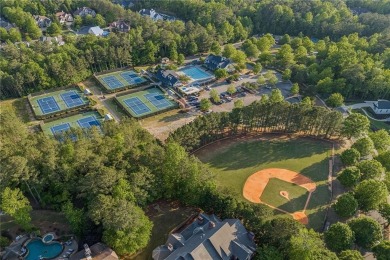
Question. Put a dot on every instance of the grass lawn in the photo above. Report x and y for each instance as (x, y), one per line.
(296, 194)
(19, 106)
(233, 161)
(169, 216)
(375, 125)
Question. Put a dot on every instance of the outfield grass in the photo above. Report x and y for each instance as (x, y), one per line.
(233, 161)
(140, 95)
(297, 195)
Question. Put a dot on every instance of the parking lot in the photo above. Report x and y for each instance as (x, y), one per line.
(221, 87)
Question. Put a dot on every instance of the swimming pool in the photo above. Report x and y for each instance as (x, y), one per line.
(38, 250)
(196, 73)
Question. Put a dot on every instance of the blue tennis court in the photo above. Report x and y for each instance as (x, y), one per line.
(88, 122)
(58, 129)
(112, 82)
(48, 105)
(136, 105)
(131, 77)
(72, 99)
(158, 100)
(196, 73)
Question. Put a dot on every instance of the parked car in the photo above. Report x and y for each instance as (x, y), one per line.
(207, 88)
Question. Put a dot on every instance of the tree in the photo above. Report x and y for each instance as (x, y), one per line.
(54, 29)
(261, 80)
(205, 104)
(382, 250)
(4, 242)
(286, 74)
(77, 22)
(350, 255)
(381, 139)
(346, 205)
(307, 102)
(216, 48)
(239, 57)
(99, 20)
(384, 210)
(75, 218)
(350, 156)
(370, 194)
(220, 73)
(285, 56)
(349, 177)
(355, 125)
(257, 68)
(126, 228)
(339, 237)
(286, 39)
(276, 96)
(231, 89)
(367, 231)
(180, 59)
(370, 169)
(14, 35)
(15, 204)
(3, 34)
(268, 253)
(239, 103)
(273, 80)
(306, 245)
(214, 95)
(251, 51)
(295, 89)
(384, 159)
(365, 146)
(229, 51)
(335, 100)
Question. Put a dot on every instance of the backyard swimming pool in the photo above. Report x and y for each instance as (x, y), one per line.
(38, 250)
(196, 73)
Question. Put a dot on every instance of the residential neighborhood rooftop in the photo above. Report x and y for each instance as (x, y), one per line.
(214, 62)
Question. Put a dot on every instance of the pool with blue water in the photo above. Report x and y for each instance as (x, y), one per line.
(196, 73)
(38, 250)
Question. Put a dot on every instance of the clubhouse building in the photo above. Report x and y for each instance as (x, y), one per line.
(207, 237)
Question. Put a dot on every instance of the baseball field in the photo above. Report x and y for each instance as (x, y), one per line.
(287, 174)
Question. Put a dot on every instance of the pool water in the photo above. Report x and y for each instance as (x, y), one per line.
(38, 249)
(47, 238)
(196, 73)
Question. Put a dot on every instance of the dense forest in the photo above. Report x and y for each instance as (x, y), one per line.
(356, 65)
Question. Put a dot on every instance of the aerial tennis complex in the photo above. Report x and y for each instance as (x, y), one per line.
(147, 102)
(55, 102)
(85, 120)
(119, 80)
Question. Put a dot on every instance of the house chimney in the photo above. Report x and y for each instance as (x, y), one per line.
(170, 247)
(200, 220)
(211, 225)
(251, 236)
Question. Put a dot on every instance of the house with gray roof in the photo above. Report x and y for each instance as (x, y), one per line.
(42, 21)
(381, 107)
(207, 237)
(84, 11)
(6, 24)
(168, 78)
(155, 16)
(213, 62)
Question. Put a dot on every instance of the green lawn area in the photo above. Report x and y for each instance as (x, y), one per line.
(164, 221)
(233, 161)
(296, 194)
(375, 125)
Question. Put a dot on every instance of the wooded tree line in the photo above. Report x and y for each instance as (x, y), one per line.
(263, 116)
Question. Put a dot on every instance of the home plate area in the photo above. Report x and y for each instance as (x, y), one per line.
(281, 189)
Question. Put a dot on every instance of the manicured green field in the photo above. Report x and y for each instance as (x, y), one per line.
(233, 161)
(296, 194)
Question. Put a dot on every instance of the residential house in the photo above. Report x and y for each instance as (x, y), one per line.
(207, 237)
(96, 30)
(214, 62)
(98, 251)
(84, 11)
(51, 40)
(155, 16)
(381, 107)
(168, 78)
(5, 24)
(120, 26)
(64, 18)
(42, 21)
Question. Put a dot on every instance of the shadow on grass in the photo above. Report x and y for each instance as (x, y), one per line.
(317, 171)
(174, 117)
(253, 153)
